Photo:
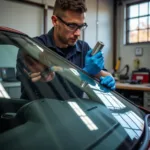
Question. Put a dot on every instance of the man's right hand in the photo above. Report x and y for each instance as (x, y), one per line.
(36, 69)
(94, 64)
(35, 76)
(38, 77)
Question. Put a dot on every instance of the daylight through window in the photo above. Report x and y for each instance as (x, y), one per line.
(138, 22)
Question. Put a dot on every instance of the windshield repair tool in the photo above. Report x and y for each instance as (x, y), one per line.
(99, 45)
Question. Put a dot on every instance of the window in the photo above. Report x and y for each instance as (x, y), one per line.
(138, 23)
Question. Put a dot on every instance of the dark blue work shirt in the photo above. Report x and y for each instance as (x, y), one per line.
(75, 54)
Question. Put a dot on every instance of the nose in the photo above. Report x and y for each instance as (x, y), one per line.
(77, 32)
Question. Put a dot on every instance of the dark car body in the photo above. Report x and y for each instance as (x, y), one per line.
(72, 110)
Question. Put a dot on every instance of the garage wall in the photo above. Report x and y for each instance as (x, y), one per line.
(105, 27)
(105, 31)
(127, 52)
(29, 19)
(49, 2)
(23, 17)
(50, 12)
(50, 25)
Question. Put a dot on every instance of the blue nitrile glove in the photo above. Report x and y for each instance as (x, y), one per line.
(103, 88)
(109, 81)
(94, 64)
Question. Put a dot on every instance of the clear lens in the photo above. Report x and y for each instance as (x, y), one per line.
(74, 27)
(83, 27)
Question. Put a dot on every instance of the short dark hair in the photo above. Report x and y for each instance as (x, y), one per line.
(73, 5)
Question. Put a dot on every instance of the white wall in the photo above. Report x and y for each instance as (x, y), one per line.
(50, 25)
(90, 32)
(23, 17)
(106, 30)
(127, 52)
(105, 27)
(48, 2)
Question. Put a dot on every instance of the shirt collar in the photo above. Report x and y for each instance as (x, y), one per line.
(51, 39)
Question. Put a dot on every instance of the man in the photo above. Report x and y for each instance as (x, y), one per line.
(68, 22)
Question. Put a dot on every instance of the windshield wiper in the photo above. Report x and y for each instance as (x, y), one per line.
(91, 146)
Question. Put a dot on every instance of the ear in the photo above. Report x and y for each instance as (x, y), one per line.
(54, 20)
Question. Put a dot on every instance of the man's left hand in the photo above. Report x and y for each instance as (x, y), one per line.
(108, 81)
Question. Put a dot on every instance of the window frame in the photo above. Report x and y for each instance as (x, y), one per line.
(129, 18)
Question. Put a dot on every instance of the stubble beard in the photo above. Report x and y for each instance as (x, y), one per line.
(66, 41)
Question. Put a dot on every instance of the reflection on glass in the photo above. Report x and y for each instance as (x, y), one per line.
(138, 133)
(110, 101)
(149, 7)
(75, 72)
(142, 35)
(133, 24)
(137, 119)
(87, 121)
(143, 9)
(3, 92)
(1, 95)
(96, 87)
(132, 124)
(133, 11)
(143, 22)
(148, 35)
(34, 44)
(130, 121)
(103, 99)
(131, 133)
(121, 105)
(121, 120)
(133, 37)
(41, 49)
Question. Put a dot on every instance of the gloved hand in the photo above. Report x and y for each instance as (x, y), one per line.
(103, 88)
(108, 81)
(94, 64)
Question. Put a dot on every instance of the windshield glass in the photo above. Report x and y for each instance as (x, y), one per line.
(85, 112)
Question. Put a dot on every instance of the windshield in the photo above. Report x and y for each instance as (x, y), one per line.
(80, 110)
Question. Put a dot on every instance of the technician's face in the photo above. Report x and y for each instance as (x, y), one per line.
(69, 27)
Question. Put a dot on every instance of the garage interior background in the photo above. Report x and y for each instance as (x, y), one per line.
(106, 23)
(28, 18)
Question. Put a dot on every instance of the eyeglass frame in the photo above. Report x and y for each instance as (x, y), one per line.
(77, 26)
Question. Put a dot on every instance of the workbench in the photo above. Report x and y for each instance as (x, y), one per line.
(137, 93)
